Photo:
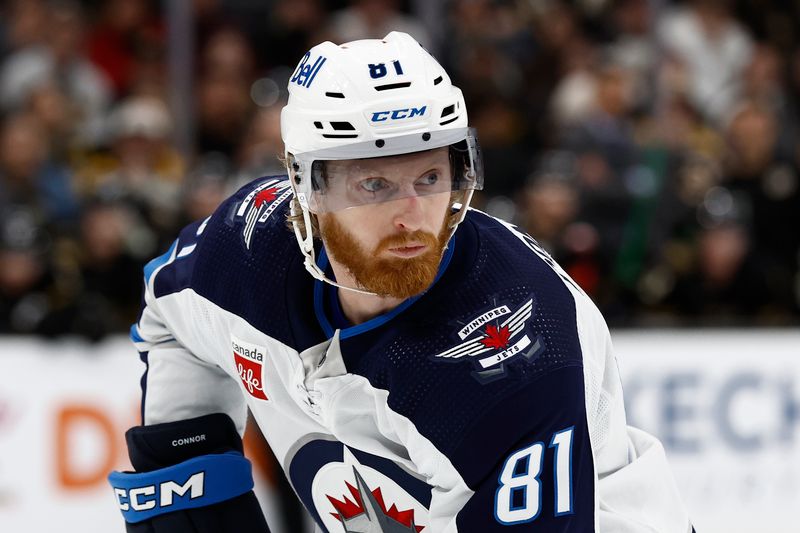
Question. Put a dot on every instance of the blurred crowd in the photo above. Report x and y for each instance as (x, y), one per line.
(651, 146)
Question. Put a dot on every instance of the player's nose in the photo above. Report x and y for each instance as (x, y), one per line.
(410, 213)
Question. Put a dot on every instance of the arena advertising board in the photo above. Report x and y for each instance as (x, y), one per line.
(725, 404)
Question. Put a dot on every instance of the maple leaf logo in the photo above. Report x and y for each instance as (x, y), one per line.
(496, 338)
(266, 196)
(348, 508)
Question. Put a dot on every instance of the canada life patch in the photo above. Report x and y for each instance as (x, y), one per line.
(259, 204)
(248, 360)
(494, 338)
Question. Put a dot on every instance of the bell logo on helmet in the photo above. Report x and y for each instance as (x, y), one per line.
(304, 74)
(398, 114)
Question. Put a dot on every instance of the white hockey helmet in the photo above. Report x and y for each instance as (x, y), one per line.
(366, 99)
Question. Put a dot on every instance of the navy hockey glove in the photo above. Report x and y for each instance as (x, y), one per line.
(191, 477)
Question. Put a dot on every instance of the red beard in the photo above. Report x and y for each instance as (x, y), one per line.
(395, 277)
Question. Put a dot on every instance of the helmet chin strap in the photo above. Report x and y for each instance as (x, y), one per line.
(462, 212)
(306, 242)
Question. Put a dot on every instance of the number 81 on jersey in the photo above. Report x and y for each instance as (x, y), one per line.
(519, 495)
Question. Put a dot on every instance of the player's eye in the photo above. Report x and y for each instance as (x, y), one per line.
(374, 185)
(429, 179)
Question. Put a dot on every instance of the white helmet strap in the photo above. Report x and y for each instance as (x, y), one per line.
(306, 243)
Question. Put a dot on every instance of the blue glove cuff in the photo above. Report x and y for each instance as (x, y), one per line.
(198, 482)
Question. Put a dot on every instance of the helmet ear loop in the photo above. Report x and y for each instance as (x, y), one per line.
(457, 217)
(304, 235)
(461, 197)
(306, 243)
(306, 240)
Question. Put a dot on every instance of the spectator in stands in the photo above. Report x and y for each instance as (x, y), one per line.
(767, 186)
(25, 275)
(608, 156)
(56, 114)
(108, 254)
(635, 47)
(506, 156)
(294, 26)
(550, 203)
(715, 48)
(120, 44)
(727, 284)
(561, 62)
(550, 210)
(261, 149)
(30, 177)
(24, 24)
(60, 60)
(763, 82)
(372, 19)
(147, 171)
(224, 105)
(206, 186)
(90, 286)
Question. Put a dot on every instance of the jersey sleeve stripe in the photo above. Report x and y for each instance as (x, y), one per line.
(161, 260)
(134, 334)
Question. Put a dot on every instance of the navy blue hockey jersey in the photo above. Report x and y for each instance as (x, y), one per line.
(491, 402)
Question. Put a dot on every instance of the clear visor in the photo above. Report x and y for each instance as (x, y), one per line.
(343, 184)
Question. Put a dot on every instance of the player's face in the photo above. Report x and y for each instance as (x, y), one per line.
(393, 248)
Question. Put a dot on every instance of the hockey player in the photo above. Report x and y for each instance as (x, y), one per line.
(435, 372)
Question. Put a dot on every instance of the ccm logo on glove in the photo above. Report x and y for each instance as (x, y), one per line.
(143, 495)
(144, 498)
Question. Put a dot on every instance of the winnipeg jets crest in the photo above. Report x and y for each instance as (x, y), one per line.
(355, 498)
(495, 338)
(262, 201)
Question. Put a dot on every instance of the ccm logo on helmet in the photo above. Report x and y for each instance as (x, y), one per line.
(147, 497)
(397, 114)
